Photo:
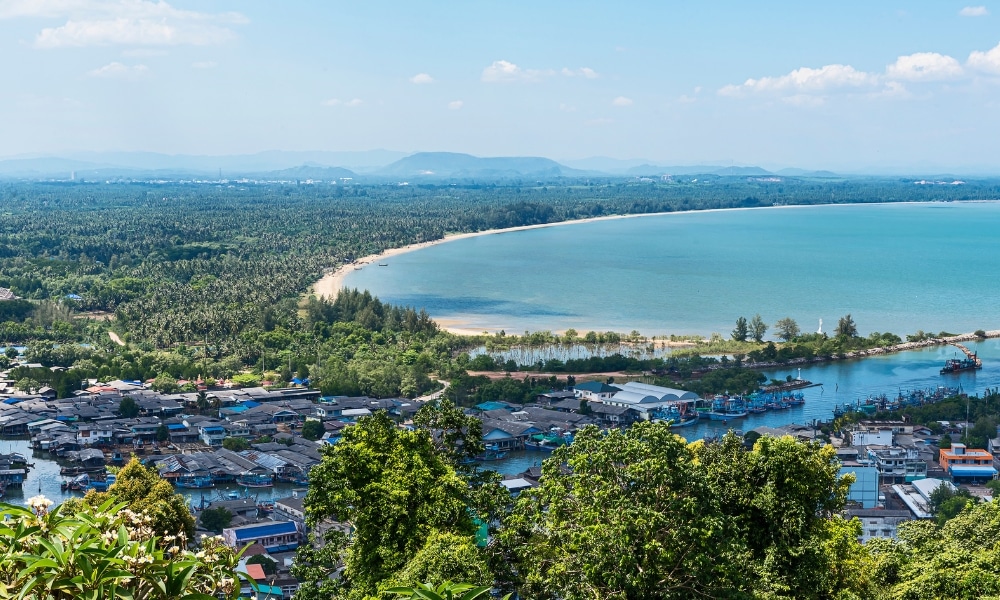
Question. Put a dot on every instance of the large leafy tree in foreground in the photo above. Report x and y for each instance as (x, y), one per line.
(960, 560)
(398, 495)
(778, 501)
(630, 515)
(641, 514)
(142, 490)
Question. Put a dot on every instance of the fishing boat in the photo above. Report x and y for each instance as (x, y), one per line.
(725, 408)
(492, 452)
(678, 415)
(955, 365)
(545, 442)
(255, 480)
(194, 482)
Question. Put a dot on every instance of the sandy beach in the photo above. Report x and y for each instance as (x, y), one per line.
(331, 283)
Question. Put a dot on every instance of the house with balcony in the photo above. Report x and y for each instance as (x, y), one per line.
(895, 464)
(967, 465)
(212, 434)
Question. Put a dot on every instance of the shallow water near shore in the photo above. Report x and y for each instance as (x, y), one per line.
(893, 267)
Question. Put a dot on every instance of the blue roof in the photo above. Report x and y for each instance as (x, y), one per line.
(963, 471)
(492, 405)
(214, 428)
(74, 297)
(12, 400)
(176, 426)
(264, 530)
(250, 404)
(236, 409)
(270, 590)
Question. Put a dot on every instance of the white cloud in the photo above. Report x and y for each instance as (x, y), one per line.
(205, 64)
(585, 72)
(621, 101)
(806, 80)
(974, 11)
(117, 70)
(502, 71)
(455, 105)
(123, 22)
(685, 99)
(131, 32)
(567, 108)
(892, 89)
(988, 61)
(348, 103)
(924, 66)
(420, 78)
(143, 53)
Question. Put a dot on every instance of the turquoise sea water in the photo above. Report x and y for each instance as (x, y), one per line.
(897, 267)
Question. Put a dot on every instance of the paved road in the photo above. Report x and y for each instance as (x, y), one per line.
(114, 338)
(436, 394)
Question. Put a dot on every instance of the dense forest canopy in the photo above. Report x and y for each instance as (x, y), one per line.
(206, 279)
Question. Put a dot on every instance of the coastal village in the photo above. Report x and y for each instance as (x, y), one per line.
(896, 465)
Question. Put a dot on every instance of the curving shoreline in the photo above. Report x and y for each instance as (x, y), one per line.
(330, 284)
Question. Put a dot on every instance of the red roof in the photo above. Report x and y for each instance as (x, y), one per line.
(256, 572)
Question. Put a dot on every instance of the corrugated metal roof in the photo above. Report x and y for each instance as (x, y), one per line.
(264, 530)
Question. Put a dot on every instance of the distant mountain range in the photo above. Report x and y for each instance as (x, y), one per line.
(369, 165)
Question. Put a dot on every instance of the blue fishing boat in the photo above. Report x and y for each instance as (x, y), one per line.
(255, 480)
(194, 481)
(678, 415)
(725, 408)
(491, 453)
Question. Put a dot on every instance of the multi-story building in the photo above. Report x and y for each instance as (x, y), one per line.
(967, 465)
(896, 465)
(879, 523)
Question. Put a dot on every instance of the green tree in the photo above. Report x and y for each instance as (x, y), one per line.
(162, 433)
(955, 561)
(143, 491)
(945, 442)
(27, 384)
(266, 563)
(395, 491)
(313, 430)
(128, 408)
(458, 437)
(165, 383)
(846, 327)
(742, 330)
(445, 591)
(757, 328)
(445, 557)
(11, 353)
(236, 444)
(786, 328)
(780, 496)
(585, 517)
(216, 519)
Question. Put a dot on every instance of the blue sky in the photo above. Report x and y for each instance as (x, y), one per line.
(844, 86)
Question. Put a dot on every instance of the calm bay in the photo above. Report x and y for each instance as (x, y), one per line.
(894, 267)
